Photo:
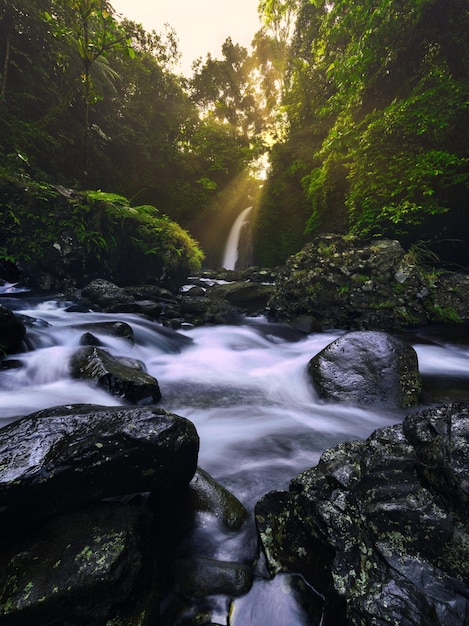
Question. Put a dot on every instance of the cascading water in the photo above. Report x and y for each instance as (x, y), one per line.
(244, 387)
(238, 246)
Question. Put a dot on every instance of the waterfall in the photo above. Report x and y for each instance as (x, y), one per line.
(238, 245)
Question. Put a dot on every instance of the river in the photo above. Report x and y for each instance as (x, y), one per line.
(244, 387)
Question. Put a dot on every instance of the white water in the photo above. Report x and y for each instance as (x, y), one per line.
(244, 387)
(246, 390)
(232, 243)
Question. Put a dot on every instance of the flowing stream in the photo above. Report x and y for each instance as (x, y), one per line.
(244, 387)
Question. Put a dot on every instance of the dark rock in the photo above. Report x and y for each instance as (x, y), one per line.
(9, 272)
(208, 495)
(367, 367)
(112, 329)
(106, 294)
(250, 297)
(199, 577)
(306, 324)
(350, 283)
(88, 339)
(196, 290)
(198, 305)
(442, 446)
(65, 457)
(77, 567)
(380, 527)
(120, 376)
(150, 292)
(149, 307)
(12, 331)
(451, 298)
(207, 309)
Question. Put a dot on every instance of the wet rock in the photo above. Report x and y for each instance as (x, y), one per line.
(76, 567)
(88, 339)
(208, 309)
(12, 331)
(111, 329)
(105, 294)
(153, 293)
(149, 308)
(368, 368)
(208, 495)
(249, 296)
(200, 577)
(306, 324)
(120, 376)
(65, 457)
(380, 527)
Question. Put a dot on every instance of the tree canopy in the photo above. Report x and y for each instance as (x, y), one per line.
(363, 107)
(377, 105)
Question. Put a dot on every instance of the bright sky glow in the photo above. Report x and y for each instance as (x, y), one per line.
(201, 26)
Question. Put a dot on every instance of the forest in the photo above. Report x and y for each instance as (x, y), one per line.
(346, 117)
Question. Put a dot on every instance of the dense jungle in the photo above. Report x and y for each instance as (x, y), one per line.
(345, 117)
(188, 441)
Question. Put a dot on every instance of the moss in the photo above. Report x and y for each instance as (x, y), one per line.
(447, 315)
(99, 229)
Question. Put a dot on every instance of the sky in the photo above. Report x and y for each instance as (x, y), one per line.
(201, 26)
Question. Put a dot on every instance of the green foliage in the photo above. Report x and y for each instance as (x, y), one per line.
(380, 88)
(103, 231)
(446, 315)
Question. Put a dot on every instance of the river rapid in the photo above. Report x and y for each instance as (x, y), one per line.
(244, 387)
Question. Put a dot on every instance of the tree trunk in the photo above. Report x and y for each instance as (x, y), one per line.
(5, 68)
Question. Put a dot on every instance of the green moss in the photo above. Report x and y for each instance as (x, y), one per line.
(99, 228)
(447, 315)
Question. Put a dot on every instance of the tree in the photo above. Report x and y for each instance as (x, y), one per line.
(223, 88)
(379, 90)
(278, 17)
(30, 87)
(90, 31)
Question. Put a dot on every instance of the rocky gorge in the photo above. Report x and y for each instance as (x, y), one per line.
(107, 513)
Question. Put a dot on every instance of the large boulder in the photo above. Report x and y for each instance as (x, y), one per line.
(77, 567)
(106, 294)
(66, 457)
(12, 331)
(367, 367)
(251, 297)
(380, 527)
(120, 376)
(351, 283)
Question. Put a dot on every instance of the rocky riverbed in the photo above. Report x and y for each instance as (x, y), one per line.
(109, 518)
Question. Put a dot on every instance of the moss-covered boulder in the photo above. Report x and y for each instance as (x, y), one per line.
(77, 567)
(380, 527)
(352, 283)
(65, 238)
